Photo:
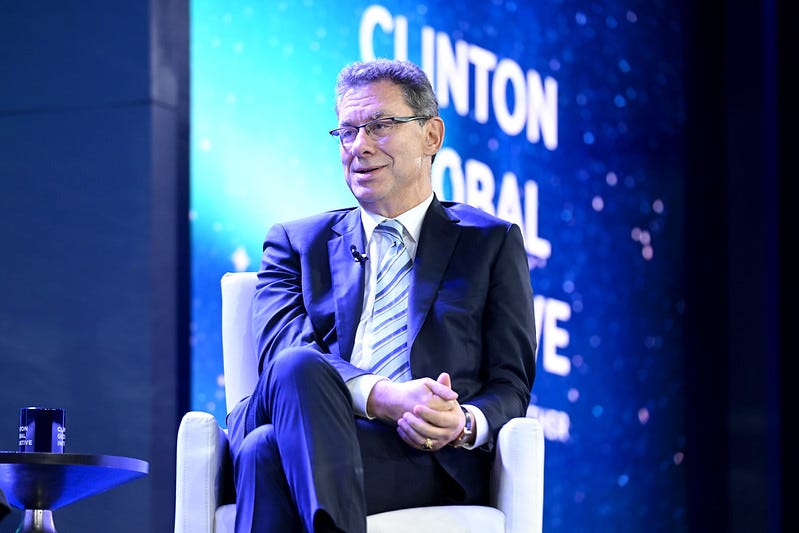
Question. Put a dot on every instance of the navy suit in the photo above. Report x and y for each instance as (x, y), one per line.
(470, 314)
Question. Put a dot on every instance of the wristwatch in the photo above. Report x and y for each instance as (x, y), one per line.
(468, 429)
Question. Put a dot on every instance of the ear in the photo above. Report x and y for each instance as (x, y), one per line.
(434, 135)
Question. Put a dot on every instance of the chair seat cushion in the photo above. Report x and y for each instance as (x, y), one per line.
(444, 519)
(225, 518)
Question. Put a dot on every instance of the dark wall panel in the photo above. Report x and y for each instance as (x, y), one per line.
(59, 55)
(93, 190)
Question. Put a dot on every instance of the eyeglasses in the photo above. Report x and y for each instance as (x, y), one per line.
(376, 129)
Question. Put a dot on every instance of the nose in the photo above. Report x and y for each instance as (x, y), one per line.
(361, 143)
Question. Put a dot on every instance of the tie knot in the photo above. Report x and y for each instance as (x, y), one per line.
(391, 228)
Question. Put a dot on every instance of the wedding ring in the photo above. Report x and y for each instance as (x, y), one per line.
(428, 444)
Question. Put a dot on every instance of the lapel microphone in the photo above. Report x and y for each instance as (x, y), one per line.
(357, 256)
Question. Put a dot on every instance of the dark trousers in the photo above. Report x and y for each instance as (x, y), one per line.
(304, 462)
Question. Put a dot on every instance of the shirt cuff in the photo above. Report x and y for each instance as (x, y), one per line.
(360, 387)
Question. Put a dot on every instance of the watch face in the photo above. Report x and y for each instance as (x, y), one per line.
(467, 425)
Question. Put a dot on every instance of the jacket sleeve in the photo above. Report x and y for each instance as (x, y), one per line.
(280, 318)
(508, 336)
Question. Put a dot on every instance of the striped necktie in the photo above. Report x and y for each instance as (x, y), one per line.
(390, 311)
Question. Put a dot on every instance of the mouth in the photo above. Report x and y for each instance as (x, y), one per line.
(363, 171)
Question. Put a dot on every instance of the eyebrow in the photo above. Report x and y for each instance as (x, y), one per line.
(374, 116)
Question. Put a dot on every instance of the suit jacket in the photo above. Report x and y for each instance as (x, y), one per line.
(470, 308)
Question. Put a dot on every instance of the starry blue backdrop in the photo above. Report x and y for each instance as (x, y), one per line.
(609, 203)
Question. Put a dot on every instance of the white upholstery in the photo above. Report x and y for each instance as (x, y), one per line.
(225, 518)
(238, 347)
(201, 454)
(203, 498)
(444, 519)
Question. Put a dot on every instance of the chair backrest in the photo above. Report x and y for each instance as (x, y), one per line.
(238, 346)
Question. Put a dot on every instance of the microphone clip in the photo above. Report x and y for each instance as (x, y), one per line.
(357, 256)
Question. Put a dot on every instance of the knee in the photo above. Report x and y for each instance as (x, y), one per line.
(301, 364)
(259, 447)
(295, 377)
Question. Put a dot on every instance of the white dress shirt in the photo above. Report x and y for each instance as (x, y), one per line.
(361, 387)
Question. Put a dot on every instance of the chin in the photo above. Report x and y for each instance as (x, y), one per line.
(365, 194)
(366, 199)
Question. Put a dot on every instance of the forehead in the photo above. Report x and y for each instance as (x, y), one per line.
(366, 102)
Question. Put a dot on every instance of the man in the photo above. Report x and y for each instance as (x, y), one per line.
(390, 354)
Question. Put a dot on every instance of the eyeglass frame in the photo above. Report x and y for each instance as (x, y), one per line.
(394, 121)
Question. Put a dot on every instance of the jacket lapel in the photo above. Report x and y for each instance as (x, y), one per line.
(348, 279)
(436, 244)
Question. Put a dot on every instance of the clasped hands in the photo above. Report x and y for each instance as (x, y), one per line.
(426, 411)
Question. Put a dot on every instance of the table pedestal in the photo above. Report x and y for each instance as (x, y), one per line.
(37, 521)
(42, 482)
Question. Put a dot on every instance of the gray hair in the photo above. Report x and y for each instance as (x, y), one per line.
(415, 85)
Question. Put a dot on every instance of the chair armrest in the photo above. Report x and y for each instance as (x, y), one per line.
(202, 455)
(517, 477)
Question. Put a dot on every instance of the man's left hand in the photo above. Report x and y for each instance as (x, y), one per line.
(429, 428)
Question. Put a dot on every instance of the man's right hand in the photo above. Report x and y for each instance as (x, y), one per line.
(431, 428)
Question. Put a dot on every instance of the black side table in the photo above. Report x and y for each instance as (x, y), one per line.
(39, 483)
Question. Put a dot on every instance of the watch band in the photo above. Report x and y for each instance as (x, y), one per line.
(468, 429)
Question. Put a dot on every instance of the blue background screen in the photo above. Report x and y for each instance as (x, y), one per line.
(565, 117)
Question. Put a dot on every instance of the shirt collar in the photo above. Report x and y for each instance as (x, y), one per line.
(410, 219)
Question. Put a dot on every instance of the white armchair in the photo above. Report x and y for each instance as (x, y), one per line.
(205, 499)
